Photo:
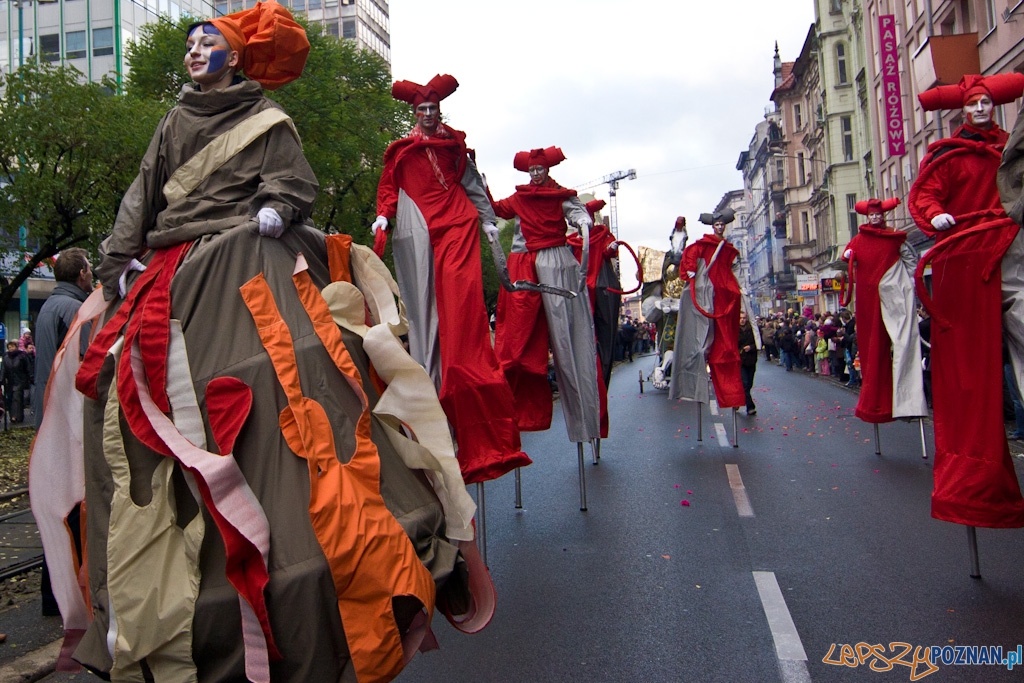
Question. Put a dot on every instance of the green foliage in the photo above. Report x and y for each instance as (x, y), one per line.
(157, 61)
(68, 151)
(343, 109)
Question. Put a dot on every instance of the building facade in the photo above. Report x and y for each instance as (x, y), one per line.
(937, 42)
(91, 35)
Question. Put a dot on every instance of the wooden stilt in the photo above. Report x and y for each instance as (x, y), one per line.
(519, 489)
(583, 479)
(481, 516)
(972, 548)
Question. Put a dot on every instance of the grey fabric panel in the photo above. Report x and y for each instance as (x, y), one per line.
(518, 241)
(694, 335)
(571, 331)
(474, 186)
(896, 295)
(575, 211)
(737, 270)
(414, 268)
(222, 341)
(1013, 303)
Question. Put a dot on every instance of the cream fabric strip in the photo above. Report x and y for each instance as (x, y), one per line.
(206, 161)
(152, 569)
(410, 398)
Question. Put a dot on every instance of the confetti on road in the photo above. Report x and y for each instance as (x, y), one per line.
(685, 503)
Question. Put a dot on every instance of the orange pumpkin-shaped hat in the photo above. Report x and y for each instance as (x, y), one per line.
(272, 48)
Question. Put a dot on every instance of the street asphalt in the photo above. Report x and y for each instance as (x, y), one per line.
(836, 546)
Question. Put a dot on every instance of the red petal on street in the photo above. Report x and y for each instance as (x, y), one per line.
(685, 503)
(689, 492)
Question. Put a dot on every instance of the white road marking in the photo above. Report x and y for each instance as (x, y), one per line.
(723, 438)
(788, 648)
(739, 491)
(714, 407)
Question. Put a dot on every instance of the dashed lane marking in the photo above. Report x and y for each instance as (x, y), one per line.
(739, 491)
(714, 407)
(723, 438)
(788, 648)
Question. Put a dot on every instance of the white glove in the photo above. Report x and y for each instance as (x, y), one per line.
(943, 222)
(122, 281)
(491, 230)
(847, 254)
(271, 224)
(586, 224)
(380, 224)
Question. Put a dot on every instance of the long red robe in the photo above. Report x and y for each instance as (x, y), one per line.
(475, 396)
(975, 483)
(724, 355)
(875, 251)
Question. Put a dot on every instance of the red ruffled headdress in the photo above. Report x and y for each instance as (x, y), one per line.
(1002, 88)
(873, 205)
(272, 48)
(548, 157)
(438, 88)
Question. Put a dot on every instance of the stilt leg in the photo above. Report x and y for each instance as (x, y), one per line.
(519, 489)
(481, 514)
(583, 479)
(735, 430)
(972, 547)
(596, 445)
(924, 444)
(700, 425)
(641, 381)
(878, 446)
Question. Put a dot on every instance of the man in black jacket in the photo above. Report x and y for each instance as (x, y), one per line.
(17, 375)
(748, 360)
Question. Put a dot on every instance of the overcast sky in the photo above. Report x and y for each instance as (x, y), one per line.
(672, 88)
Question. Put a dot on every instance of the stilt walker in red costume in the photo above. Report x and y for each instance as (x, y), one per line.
(882, 276)
(431, 187)
(605, 298)
(955, 200)
(708, 327)
(531, 323)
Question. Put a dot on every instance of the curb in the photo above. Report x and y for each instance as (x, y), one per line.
(33, 666)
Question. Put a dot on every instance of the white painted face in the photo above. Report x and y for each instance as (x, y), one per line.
(875, 219)
(538, 174)
(428, 115)
(208, 57)
(719, 228)
(979, 111)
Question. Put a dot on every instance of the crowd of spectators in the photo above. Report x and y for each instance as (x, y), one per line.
(635, 337)
(821, 343)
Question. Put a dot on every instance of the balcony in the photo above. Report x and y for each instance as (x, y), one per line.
(805, 251)
(944, 60)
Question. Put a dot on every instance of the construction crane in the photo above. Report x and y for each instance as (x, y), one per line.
(612, 181)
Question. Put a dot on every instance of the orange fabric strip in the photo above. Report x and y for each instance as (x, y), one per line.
(370, 556)
(339, 248)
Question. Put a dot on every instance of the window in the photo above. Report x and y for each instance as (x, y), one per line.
(49, 47)
(221, 8)
(102, 41)
(835, 5)
(844, 78)
(804, 226)
(851, 210)
(801, 168)
(75, 44)
(798, 117)
(779, 171)
(313, 4)
(348, 29)
(990, 15)
(332, 29)
(847, 125)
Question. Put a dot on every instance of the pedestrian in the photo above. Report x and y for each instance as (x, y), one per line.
(768, 339)
(73, 274)
(787, 345)
(431, 187)
(748, 360)
(627, 333)
(821, 354)
(1010, 385)
(16, 377)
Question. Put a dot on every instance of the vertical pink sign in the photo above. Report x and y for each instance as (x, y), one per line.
(892, 99)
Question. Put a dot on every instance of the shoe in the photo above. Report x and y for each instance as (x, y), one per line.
(848, 384)
(751, 413)
(1016, 436)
